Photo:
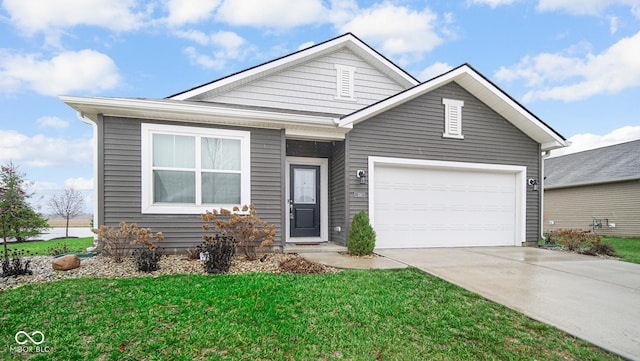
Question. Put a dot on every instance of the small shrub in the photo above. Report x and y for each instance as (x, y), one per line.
(603, 249)
(13, 266)
(574, 239)
(218, 252)
(362, 237)
(147, 260)
(54, 251)
(193, 254)
(246, 229)
(116, 243)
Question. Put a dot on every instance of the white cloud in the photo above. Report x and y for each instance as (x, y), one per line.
(226, 46)
(434, 70)
(570, 78)
(52, 122)
(398, 31)
(41, 151)
(586, 141)
(205, 61)
(188, 11)
(308, 44)
(80, 183)
(52, 17)
(278, 14)
(71, 71)
(491, 3)
(587, 7)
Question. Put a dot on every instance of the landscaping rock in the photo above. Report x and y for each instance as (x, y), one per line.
(66, 263)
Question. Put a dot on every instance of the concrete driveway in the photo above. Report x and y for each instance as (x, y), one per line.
(595, 299)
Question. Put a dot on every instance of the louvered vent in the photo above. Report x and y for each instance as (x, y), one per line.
(453, 118)
(345, 88)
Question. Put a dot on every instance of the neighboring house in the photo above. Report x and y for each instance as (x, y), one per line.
(596, 189)
(312, 138)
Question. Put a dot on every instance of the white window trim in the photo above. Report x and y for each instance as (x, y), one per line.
(349, 71)
(147, 205)
(448, 105)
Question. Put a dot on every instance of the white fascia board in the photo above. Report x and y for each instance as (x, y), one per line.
(263, 69)
(189, 112)
(483, 90)
(304, 55)
(394, 101)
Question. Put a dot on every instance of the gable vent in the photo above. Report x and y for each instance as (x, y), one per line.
(345, 87)
(452, 118)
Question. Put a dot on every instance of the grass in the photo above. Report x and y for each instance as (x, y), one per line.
(627, 248)
(40, 248)
(352, 315)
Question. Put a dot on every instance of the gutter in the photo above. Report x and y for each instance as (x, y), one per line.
(94, 126)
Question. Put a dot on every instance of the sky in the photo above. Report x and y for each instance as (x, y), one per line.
(573, 63)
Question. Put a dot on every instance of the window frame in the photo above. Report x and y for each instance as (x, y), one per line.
(449, 106)
(147, 132)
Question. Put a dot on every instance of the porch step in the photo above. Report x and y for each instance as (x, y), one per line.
(313, 247)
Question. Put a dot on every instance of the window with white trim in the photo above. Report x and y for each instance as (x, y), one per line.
(191, 169)
(345, 82)
(452, 118)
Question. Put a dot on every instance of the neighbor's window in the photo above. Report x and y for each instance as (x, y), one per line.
(452, 118)
(190, 169)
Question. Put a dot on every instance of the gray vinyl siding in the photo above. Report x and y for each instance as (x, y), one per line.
(312, 87)
(337, 194)
(414, 130)
(577, 207)
(122, 182)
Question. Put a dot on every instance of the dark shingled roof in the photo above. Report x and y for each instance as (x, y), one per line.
(602, 165)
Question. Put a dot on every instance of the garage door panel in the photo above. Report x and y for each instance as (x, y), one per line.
(433, 207)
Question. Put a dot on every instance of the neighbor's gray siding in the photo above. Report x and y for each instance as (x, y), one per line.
(121, 145)
(312, 87)
(577, 207)
(414, 130)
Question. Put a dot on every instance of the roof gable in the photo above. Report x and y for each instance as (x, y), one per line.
(348, 41)
(602, 165)
(480, 87)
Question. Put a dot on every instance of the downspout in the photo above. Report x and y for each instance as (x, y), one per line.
(545, 155)
(94, 126)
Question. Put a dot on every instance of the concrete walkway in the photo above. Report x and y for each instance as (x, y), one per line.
(595, 299)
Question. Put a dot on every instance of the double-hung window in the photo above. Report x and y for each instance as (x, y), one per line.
(192, 169)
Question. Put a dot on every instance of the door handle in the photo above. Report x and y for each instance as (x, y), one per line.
(290, 208)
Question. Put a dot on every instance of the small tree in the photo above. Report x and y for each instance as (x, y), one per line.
(362, 237)
(67, 205)
(17, 218)
(246, 229)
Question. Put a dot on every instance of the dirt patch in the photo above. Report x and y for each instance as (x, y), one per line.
(366, 256)
(302, 266)
(57, 223)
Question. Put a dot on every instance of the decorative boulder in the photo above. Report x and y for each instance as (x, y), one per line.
(66, 263)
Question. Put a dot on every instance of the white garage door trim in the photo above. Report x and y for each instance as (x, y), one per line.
(518, 171)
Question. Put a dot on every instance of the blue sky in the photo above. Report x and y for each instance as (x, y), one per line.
(573, 63)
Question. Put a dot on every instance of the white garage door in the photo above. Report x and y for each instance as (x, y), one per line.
(436, 206)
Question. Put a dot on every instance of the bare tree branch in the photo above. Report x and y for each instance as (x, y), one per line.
(67, 205)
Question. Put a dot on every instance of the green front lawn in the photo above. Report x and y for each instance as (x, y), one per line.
(40, 248)
(352, 315)
(627, 248)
